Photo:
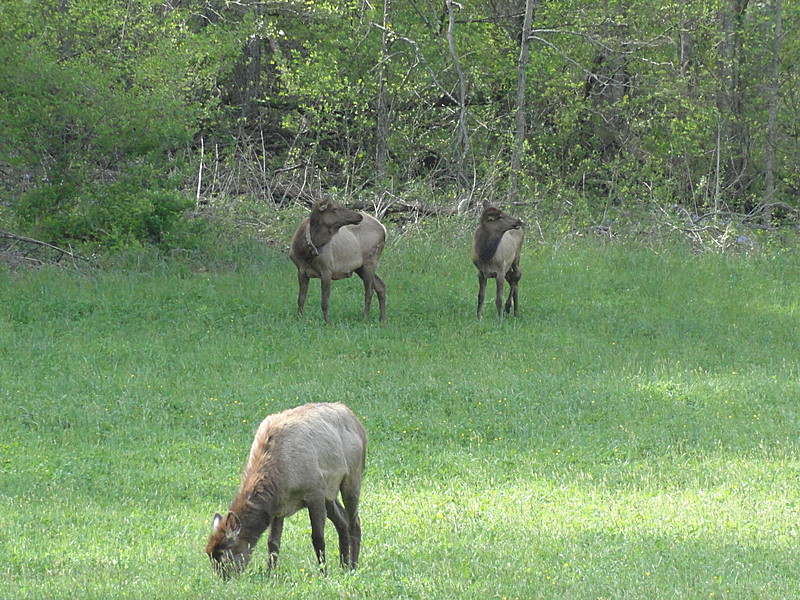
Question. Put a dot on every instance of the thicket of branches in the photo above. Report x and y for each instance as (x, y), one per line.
(117, 116)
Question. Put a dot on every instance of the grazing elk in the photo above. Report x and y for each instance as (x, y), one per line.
(332, 243)
(300, 458)
(495, 251)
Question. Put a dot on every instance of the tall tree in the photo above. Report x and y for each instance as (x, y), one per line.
(609, 82)
(461, 142)
(772, 102)
(520, 105)
(734, 133)
(382, 117)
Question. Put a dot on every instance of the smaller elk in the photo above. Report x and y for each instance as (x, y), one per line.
(333, 243)
(300, 458)
(495, 251)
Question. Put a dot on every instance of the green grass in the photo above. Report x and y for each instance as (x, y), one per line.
(633, 434)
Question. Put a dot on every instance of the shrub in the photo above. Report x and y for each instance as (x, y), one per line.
(109, 214)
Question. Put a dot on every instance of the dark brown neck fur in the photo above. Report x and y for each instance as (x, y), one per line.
(487, 242)
(255, 503)
(320, 234)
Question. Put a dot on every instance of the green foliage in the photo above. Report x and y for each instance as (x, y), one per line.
(98, 144)
(630, 103)
(116, 213)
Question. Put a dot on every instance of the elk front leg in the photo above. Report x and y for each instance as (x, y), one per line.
(274, 543)
(481, 292)
(498, 300)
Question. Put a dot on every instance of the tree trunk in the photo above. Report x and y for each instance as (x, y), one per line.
(731, 103)
(461, 150)
(774, 87)
(686, 52)
(521, 126)
(608, 84)
(382, 129)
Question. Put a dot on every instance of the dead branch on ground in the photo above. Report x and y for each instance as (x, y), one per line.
(19, 251)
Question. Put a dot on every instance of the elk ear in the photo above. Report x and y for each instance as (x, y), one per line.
(216, 521)
(233, 526)
(322, 206)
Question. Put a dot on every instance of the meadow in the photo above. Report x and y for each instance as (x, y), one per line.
(632, 434)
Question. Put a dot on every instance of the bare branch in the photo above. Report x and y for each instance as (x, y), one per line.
(26, 240)
(420, 57)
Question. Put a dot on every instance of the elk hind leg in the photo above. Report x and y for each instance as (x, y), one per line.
(498, 300)
(368, 277)
(317, 514)
(380, 290)
(325, 298)
(512, 277)
(339, 520)
(302, 281)
(351, 490)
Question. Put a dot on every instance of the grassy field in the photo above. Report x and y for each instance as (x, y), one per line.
(633, 434)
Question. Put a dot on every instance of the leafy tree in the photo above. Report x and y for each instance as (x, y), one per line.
(107, 108)
(90, 124)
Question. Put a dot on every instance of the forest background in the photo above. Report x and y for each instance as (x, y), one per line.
(121, 118)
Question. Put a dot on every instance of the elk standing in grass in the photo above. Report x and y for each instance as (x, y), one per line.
(333, 243)
(300, 458)
(495, 251)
